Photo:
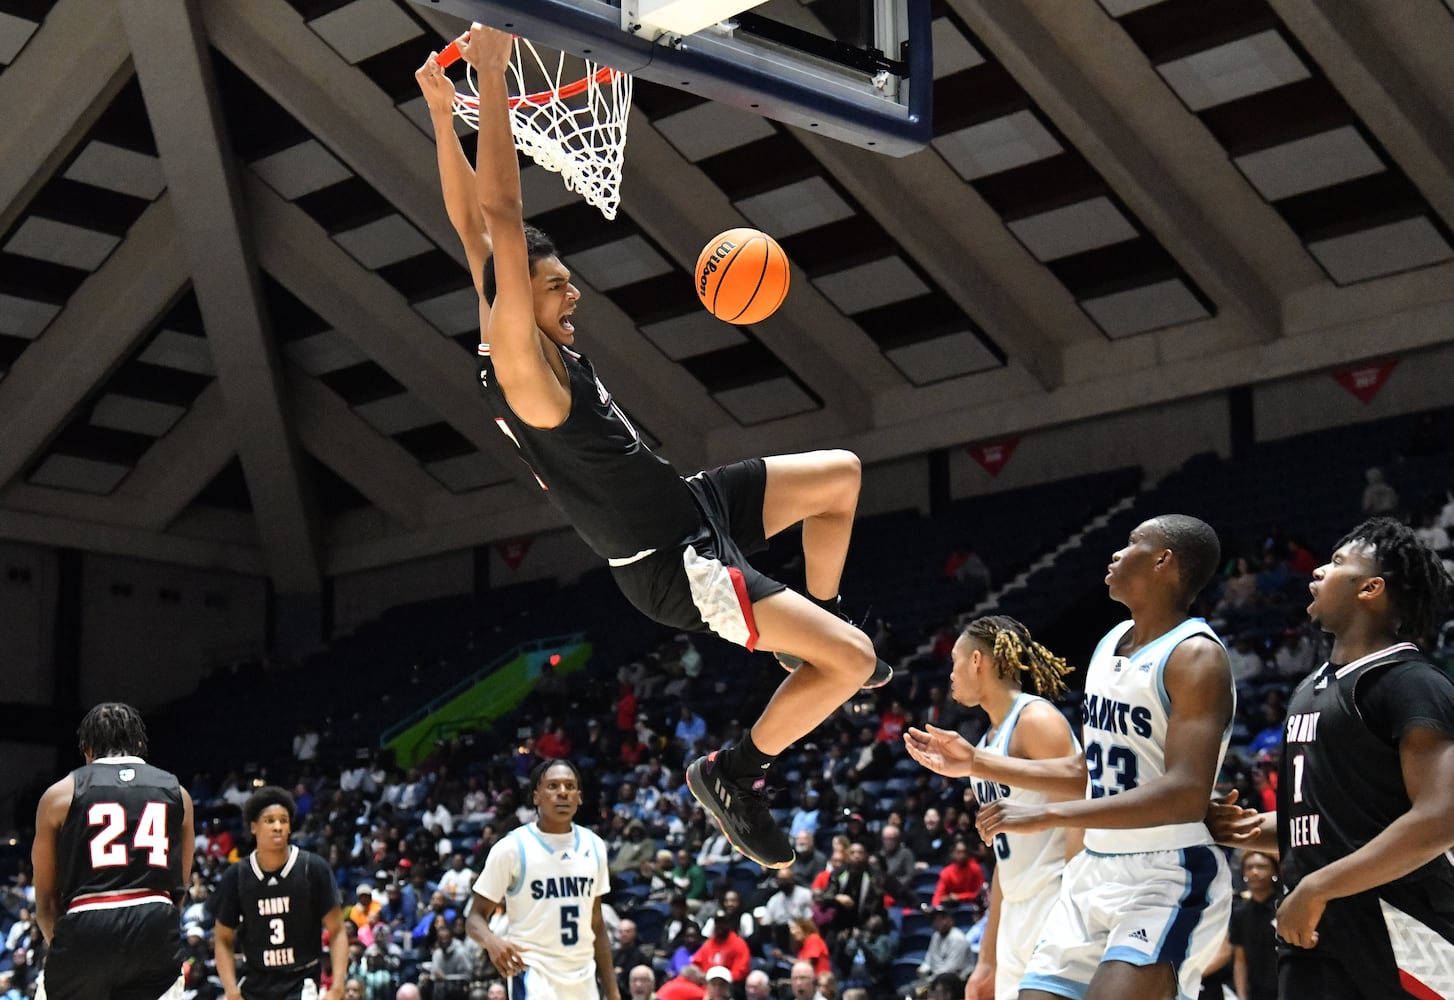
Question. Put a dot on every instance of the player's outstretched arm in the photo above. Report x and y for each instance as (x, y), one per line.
(517, 350)
(456, 177)
(945, 752)
(1199, 682)
(49, 816)
(1426, 758)
(1232, 825)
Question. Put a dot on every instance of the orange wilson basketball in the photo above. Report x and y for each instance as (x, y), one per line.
(742, 276)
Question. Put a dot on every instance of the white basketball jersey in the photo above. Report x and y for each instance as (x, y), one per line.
(1126, 713)
(1027, 862)
(549, 883)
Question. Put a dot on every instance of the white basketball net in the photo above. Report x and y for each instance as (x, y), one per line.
(570, 119)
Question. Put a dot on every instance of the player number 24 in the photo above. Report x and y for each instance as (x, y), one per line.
(151, 834)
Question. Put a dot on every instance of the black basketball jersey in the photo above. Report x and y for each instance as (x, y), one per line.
(621, 497)
(1341, 784)
(123, 831)
(278, 917)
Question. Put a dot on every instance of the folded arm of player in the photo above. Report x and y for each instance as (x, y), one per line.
(945, 752)
(456, 177)
(1426, 758)
(525, 375)
(1199, 683)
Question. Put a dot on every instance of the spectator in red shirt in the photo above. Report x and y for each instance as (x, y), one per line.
(961, 880)
(891, 724)
(725, 947)
(811, 946)
(690, 985)
(554, 745)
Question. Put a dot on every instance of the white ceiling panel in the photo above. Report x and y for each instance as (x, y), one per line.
(796, 208)
(181, 351)
(624, 262)
(301, 169)
(1076, 228)
(323, 352)
(14, 33)
(993, 146)
(25, 317)
(453, 312)
(1150, 307)
(692, 334)
(711, 128)
(62, 243)
(116, 168)
(140, 416)
(953, 53)
(1318, 161)
(465, 472)
(384, 241)
(867, 286)
(943, 357)
(763, 401)
(1237, 69)
(396, 414)
(1398, 246)
(67, 472)
(365, 28)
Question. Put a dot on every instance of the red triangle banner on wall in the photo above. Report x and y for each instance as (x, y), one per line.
(993, 457)
(1364, 381)
(513, 552)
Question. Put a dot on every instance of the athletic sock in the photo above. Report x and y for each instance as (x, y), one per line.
(745, 762)
(829, 605)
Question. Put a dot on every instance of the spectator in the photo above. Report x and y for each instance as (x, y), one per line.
(948, 951)
(634, 851)
(719, 983)
(364, 907)
(1239, 591)
(1246, 660)
(805, 816)
(809, 945)
(554, 744)
(640, 983)
(1294, 656)
(1253, 931)
(689, 984)
(1379, 496)
(804, 982)
(457, 883)
(809, 862)
(892, 723)
(855, 889)
(731, 911)
(724, 947)
(690, 728)
(789, 903)
(757, 986)
(897, 862)
(717, 850)
(928, 840)
(1269, 738)
(628, 954)
(690, 880)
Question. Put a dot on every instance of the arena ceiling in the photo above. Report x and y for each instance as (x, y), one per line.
(236, 330)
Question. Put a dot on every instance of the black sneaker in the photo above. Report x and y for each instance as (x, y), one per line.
(882, 672)
(740, 809)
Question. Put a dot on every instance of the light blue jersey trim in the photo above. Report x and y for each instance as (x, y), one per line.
(1007, 728)
(1058, 985)
(1121, 953)
(519, 879)
(1174, 638)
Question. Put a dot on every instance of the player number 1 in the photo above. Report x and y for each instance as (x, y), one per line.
(1297, 778)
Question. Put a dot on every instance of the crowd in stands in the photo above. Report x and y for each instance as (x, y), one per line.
(890, 884)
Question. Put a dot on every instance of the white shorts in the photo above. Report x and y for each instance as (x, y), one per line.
(532, 984)
(1021, 923)
(1162, 906)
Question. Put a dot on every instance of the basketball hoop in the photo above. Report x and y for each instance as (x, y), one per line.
(573, 126)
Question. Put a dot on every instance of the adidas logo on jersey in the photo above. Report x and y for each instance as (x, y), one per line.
(1140, 935)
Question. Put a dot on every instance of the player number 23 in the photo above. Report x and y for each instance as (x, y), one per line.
(1117, 758)
(151, 834)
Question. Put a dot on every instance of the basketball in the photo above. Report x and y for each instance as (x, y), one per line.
(742, 276)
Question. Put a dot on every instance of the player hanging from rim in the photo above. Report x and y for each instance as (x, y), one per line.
(112, 853)
(1365, 800)
(1145, 906)
(990, 661)
(675, 546)
(278, 900)
(544, 874)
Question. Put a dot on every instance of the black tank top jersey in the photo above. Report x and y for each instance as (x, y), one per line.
(123, 832)
(620, 496)
(278, 917)
(1341, 784)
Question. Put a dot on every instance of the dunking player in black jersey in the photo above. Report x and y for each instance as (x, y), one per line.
(676, 546)
(278, 900)
(1365, 812)
(113, 844)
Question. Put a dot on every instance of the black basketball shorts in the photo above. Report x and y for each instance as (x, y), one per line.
(706, 584)
(124, 953)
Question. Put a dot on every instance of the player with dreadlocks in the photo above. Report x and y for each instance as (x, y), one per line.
(1365, 818)
(991, 662)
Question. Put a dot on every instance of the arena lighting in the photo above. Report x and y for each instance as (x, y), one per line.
(555, 659)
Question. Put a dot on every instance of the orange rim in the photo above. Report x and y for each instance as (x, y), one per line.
(601, 76)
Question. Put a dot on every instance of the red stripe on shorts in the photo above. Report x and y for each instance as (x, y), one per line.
(739, 584)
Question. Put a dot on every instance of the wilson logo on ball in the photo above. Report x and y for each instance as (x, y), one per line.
(742, 276)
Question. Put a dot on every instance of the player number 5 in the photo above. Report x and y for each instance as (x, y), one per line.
(570, 930)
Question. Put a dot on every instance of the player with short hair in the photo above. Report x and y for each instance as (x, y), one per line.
(549, 876)
(990, 661)
(112, 854)
(1144, 908)
(1365, 800)
(277, 900)
(677, 547)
